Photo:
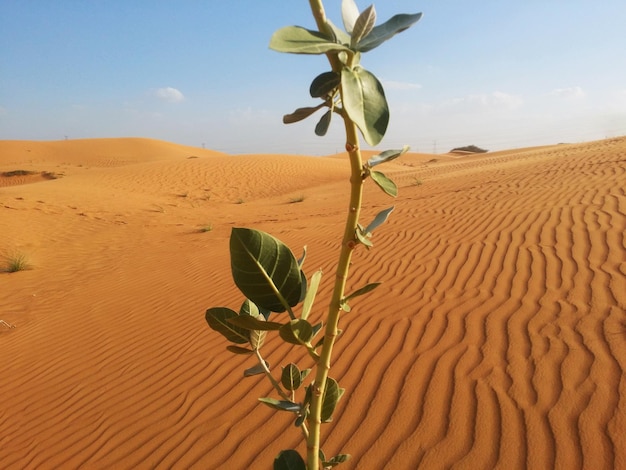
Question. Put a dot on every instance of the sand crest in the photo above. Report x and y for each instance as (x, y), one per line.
(497, 339)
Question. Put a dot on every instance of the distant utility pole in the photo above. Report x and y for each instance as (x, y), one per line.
(203, 144)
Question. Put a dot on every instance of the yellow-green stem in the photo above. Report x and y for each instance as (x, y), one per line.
(343, 265)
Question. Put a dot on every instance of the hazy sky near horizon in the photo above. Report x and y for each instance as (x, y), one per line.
(497, 74)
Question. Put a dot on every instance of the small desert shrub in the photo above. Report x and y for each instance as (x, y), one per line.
(10, 174)
(206, 228)
(417, 182)
(469, 148)
(239, 201)
(296, 199)
(16, 262)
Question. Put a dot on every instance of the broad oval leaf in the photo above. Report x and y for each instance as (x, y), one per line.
(364, 101)
(324, 83)
(254, 323)
(387, 30)
(291, 377)
(387, 156)
(257, 337)
(332, 394)
(218, 319)
(249, 308)
(384, 183)
(299, 40)
(349, 14)
(324, 123)
(264, 269)
(340, 35)
(300, 114)
(380, 219)
(289, 460)
(297, 332)
(363, 25)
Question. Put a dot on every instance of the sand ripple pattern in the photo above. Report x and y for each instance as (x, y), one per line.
(497, 340)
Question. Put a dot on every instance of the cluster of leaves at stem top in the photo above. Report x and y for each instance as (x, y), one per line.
(362, 96)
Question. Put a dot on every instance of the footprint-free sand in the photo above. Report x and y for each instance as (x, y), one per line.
(496, 340)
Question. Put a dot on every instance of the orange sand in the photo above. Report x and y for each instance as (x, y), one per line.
(497, 340)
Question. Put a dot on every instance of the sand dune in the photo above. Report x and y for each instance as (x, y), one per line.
(497, 340)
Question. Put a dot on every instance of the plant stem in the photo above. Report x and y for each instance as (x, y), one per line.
(343, 265)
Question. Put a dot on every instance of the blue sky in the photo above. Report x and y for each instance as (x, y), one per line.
(497, 74)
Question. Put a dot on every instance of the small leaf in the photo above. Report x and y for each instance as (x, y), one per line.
(239, 350)
(255, 370)
(386, 156)
(332, 394)
(300, 114)
(281, 405)
(302, 258)
(257, 337)
(249, 323)
(363, 290)
(324, 123)
(297, 332)
(340, 35)
(336, 460)
(363, 238)
(249, 308)
(384, 183)
(349, 14)
(387, 30)
(289, 460)
(304, 373)
(364, 101)
(324, 83)
(299, 40)
(310, 295)
(291, 377)
(299, 420)
(363, 25)
(380, 219)
(218, 319)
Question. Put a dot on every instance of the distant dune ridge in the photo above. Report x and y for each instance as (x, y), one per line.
(497, 339)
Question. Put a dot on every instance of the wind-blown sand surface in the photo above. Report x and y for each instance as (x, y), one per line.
(497, 339)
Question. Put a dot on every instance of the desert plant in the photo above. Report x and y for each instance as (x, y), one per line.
(206, 228)
(267, 272)
(296, 199)
(16, 262)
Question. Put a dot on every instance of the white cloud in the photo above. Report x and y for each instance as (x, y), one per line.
(169, 94)
(570, 92)
(395, 85)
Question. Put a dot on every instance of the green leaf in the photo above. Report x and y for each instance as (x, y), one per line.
(384, 183)
(340, 35)
(299, 40)
(349, 14)
(255, 370)
(363, 25)
(300, 114)
(310, 294)
(380, 219)
(332, 394)
(324, 83)
(364, 101)
(289, 460)
(302, 258)
(304, 373)
(363, 238)
(386, 156)
(363, 290)
(238, 350)
(336, 460)
(249, 308)
(387, 30)
(281, 405)
(218, 319)
(264, 269)
(291, 377)
(254, 323)
(324, 123)
(297, 332)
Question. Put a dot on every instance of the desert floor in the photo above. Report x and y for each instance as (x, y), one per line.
(497, 339)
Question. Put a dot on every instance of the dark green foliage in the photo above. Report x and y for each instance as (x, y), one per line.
(289, 460)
